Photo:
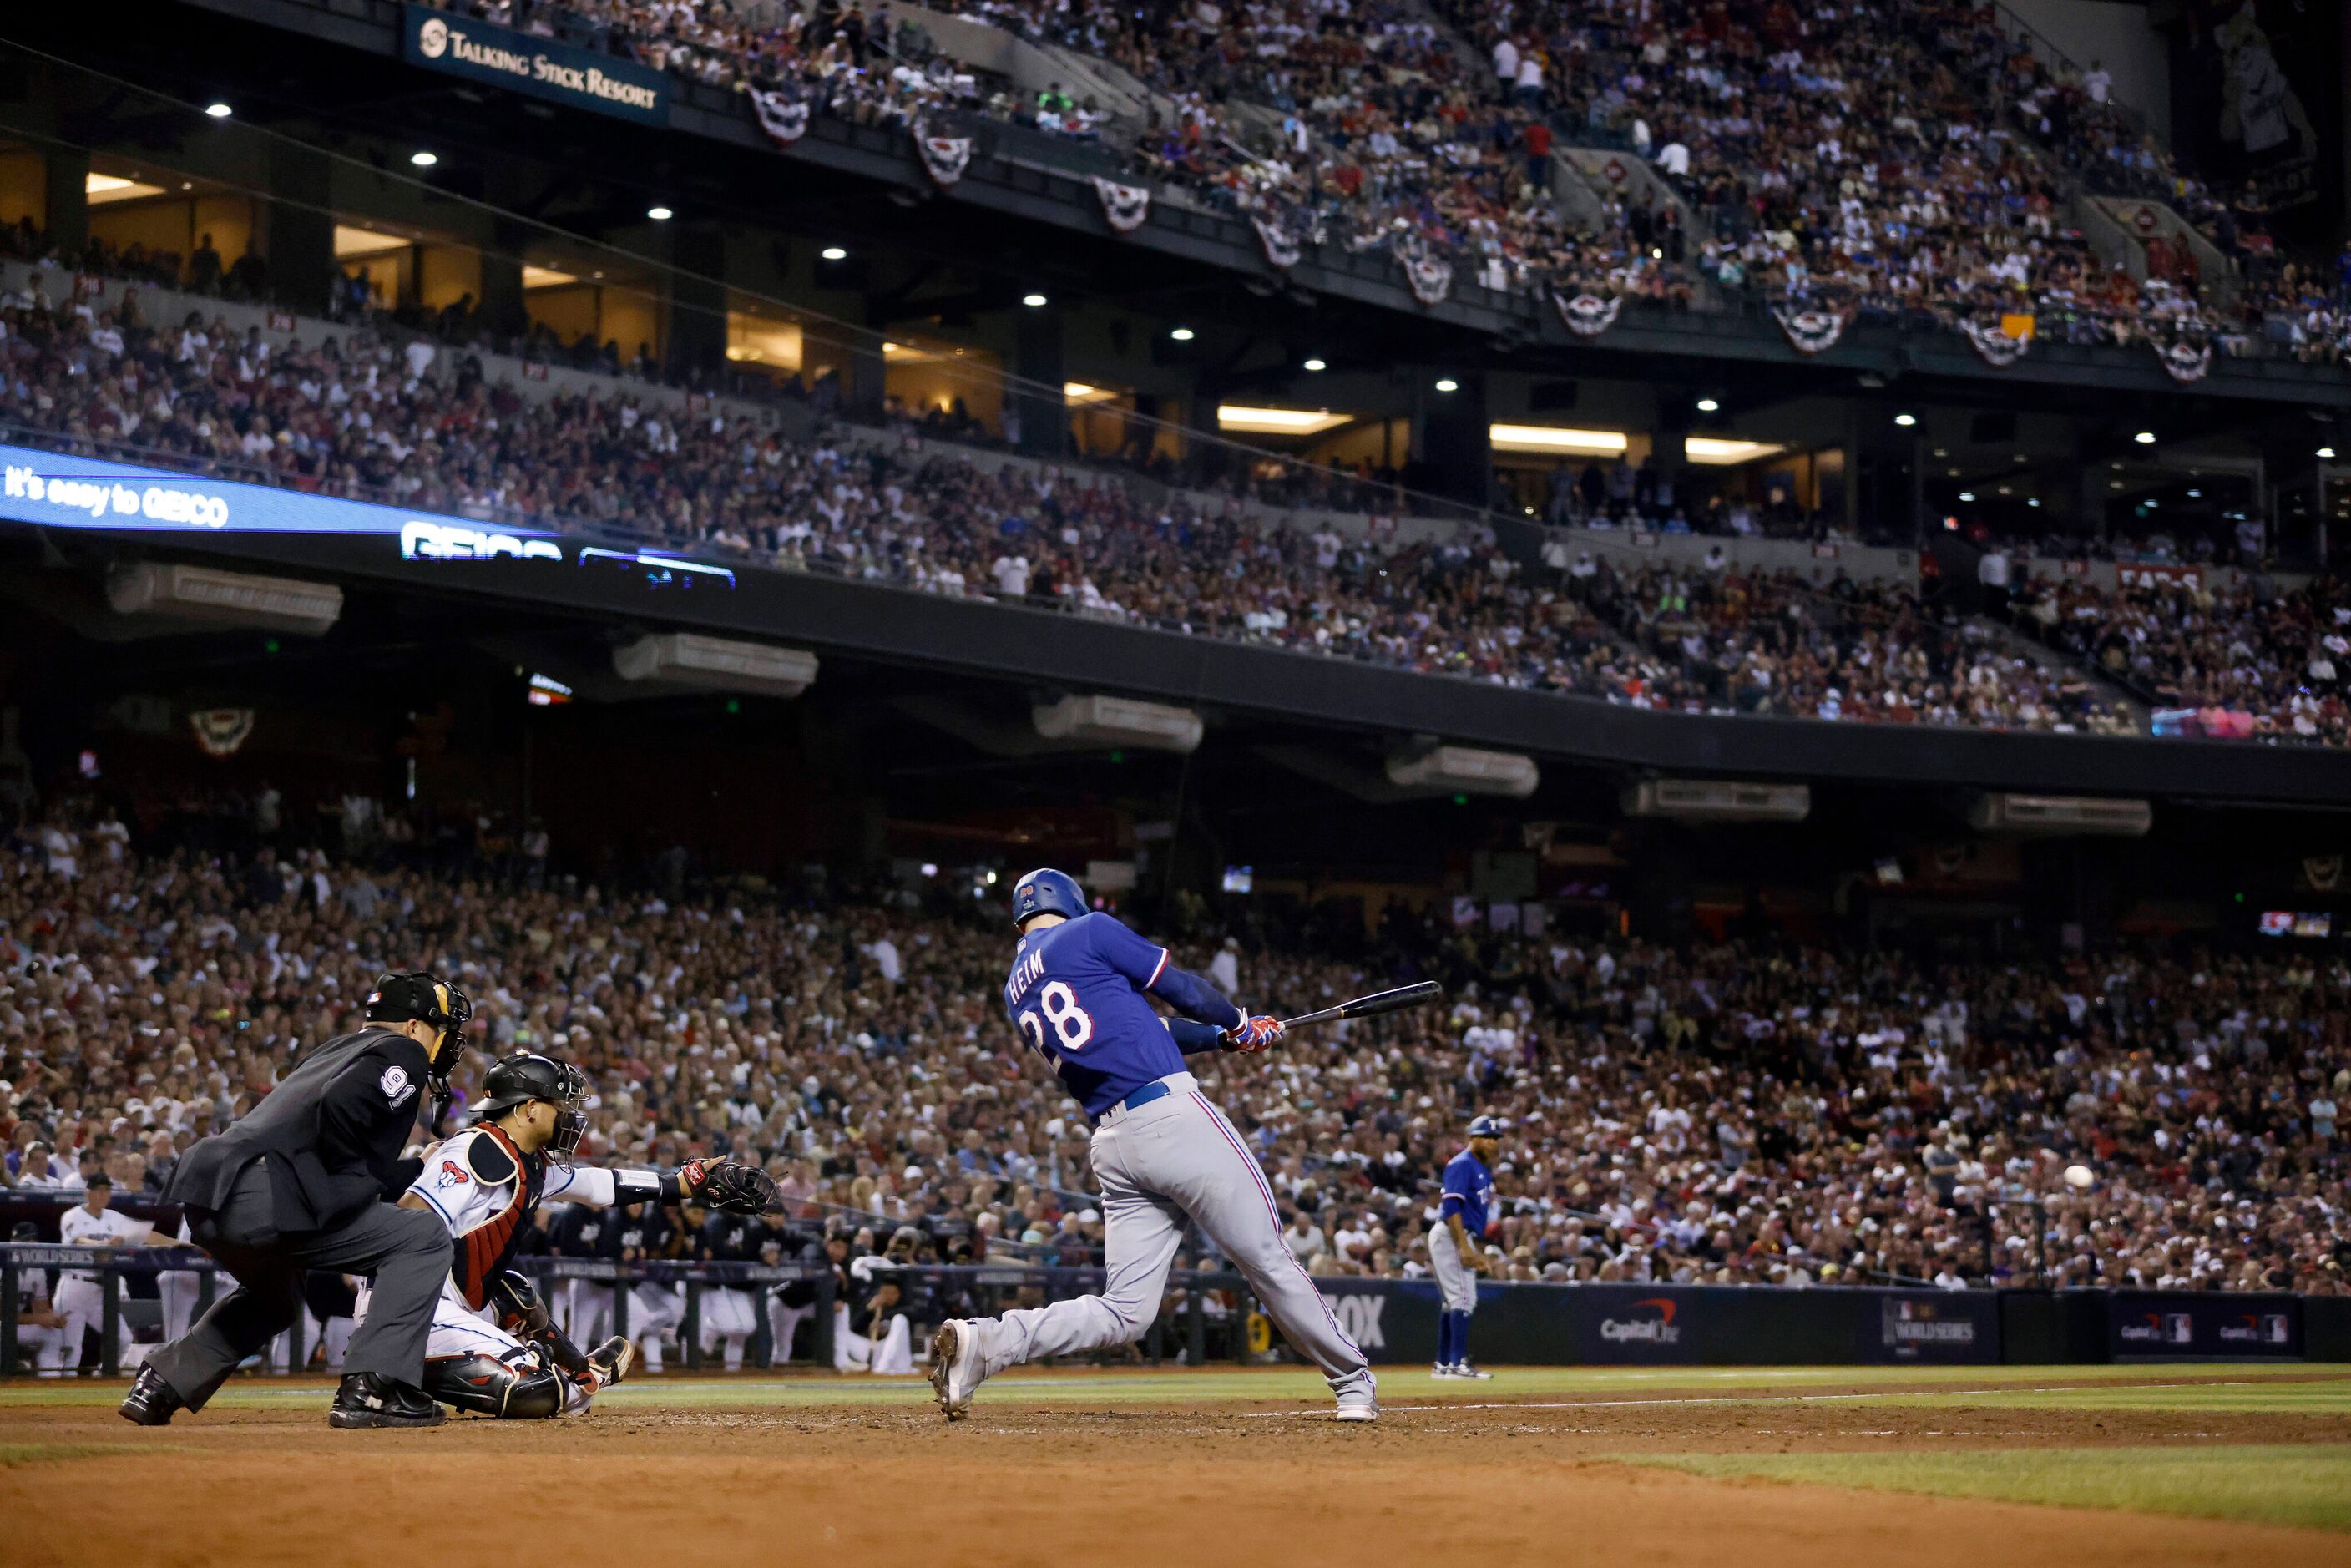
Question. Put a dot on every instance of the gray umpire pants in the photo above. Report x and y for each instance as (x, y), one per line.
(405, 1250)
(1176, 1158)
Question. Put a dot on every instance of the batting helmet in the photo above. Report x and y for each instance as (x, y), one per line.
(1486, 1127)
(1046, 892)
(519, 1079)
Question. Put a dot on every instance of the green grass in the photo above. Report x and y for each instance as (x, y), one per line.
(1409, 1385)
(14, 1454)
(2294, 1485)
(2225, 1397)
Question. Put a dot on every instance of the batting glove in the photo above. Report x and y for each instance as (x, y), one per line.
(1252, 1035)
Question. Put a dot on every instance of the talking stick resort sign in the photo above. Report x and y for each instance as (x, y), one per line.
(539, 67)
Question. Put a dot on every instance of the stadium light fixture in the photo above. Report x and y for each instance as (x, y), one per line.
(2033, 500)
(1967, 494)
(1316, 365)
(424, 160)
(1707, 406)
(1278, 421)
(1906, 419)
(1034, 301)
(2326, 451)
(660, 214)
(2145, 438)
(1548, 438)
(833, 252)
(1181, 334)
(2195, 495)
(1717, 452)
(218, 110)
(1448, 384)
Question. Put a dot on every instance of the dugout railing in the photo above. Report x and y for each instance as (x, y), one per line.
(1211, 1316)
(1207, 1314)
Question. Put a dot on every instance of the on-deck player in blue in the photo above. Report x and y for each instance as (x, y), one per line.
(1454, 1242)
(1164, 1156)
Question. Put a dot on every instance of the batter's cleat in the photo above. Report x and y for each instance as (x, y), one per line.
(1363, 1407)
(367, 1399)
(151, 1402)
(612, 1360)
(954, 1369)
(1468, 1373)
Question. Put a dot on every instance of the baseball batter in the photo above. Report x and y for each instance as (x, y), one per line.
(493, 1349)
(1163, 1154)
(1453, 1245)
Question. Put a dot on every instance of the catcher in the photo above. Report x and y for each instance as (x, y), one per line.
(494, 1350)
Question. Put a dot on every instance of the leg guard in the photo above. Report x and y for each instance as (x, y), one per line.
(517, 1390)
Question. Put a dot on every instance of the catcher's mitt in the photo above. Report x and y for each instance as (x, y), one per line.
(725, 1185)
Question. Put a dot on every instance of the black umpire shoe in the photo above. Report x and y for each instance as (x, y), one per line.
(371, 1400)
(151, 1402)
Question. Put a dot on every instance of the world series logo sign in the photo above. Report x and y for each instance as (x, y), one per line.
(1912, 1328)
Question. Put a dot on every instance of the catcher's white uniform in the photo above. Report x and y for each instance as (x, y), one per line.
(483, 1187)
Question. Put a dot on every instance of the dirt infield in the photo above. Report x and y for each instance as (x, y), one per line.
(1479, 1478)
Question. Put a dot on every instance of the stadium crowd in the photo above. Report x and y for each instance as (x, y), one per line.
(1905, 160)
(407, 422)
(1717, 639)
(1749, 1110)
(2244, 660)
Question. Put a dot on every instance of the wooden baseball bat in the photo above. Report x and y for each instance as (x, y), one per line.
(1378, 1002)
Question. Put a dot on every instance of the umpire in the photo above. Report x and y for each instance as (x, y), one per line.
(301, 1183)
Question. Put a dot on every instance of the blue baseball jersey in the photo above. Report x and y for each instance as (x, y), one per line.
(1076, 993)
(1469, 1192)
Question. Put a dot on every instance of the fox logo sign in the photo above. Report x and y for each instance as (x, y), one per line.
(1359, 1319)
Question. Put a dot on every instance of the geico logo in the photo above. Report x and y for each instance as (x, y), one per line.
(447, 541)
(187, 507)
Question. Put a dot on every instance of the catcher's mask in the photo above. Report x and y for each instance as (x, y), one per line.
(519, 1079)
(399, 997)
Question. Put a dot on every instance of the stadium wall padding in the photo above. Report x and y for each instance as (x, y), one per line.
(1394, 1322)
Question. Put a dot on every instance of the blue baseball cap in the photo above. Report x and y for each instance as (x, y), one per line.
(1488, 1127)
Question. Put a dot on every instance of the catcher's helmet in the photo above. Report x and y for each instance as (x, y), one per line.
(519, 1079)
(1488, 1127)
(1046, 892)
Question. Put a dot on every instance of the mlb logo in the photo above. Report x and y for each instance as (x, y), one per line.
(2179, 1328)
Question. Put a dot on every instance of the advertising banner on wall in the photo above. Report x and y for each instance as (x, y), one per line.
(2257, 107)
(498, 57)
(2146, 1325)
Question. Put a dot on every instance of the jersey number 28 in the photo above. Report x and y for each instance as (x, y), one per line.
(1072, 1024)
